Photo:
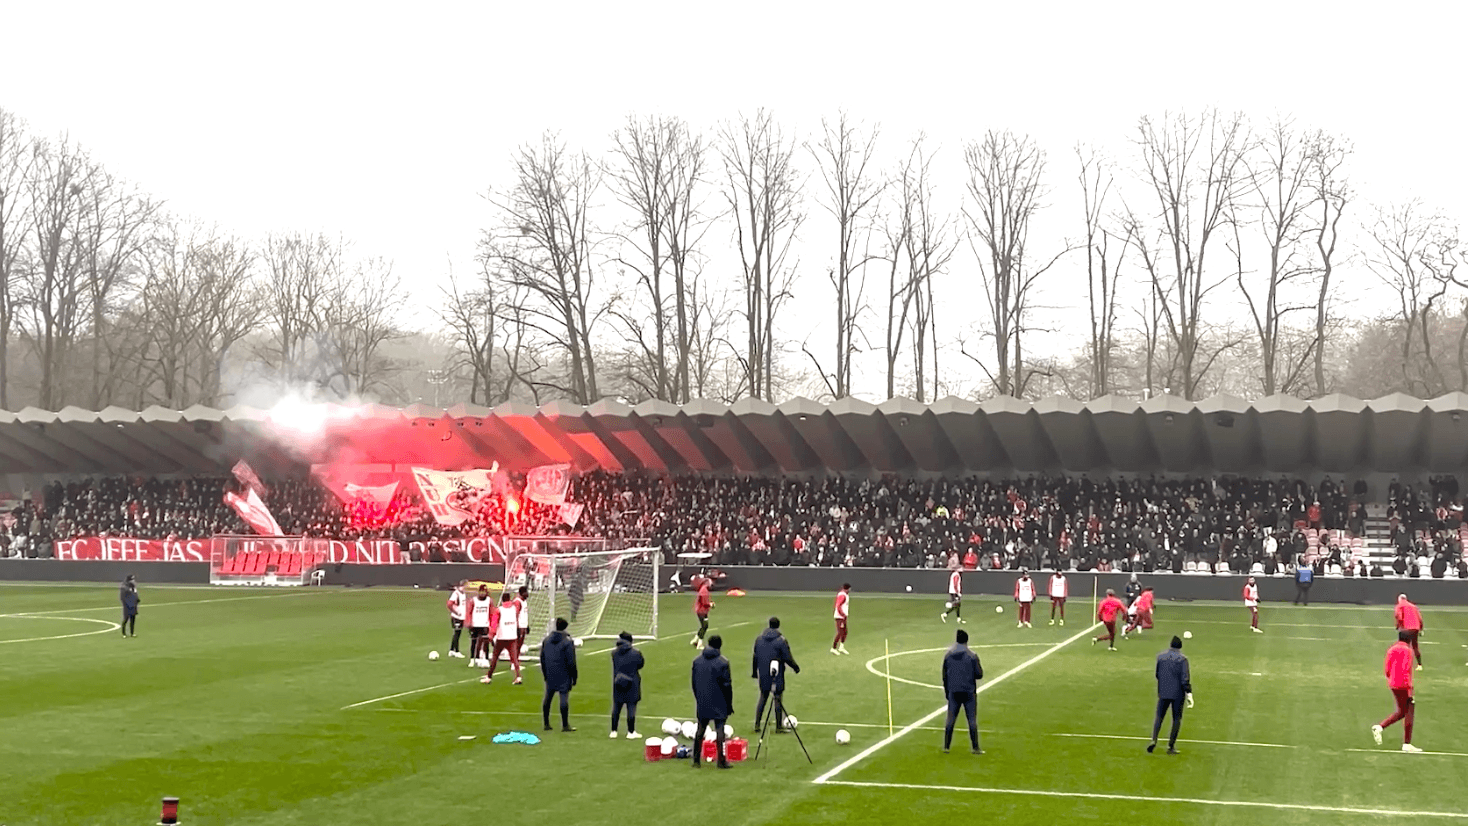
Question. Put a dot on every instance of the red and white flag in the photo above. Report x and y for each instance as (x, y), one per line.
(380, 496)
(571, 513)
(246, 474)
(253, 511)
(453, 496)
(548, 484)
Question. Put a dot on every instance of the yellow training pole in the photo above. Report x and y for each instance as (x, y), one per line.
(887, 649)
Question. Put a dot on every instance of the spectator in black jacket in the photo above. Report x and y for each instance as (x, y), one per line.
(713, 694)
(558, 667)
(130, 599)
(627, 665)
(961, 674)
(771, 656)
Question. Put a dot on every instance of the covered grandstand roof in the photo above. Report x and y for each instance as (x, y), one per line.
(1335, 434)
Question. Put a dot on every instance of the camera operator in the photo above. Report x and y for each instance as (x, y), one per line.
(771, 656)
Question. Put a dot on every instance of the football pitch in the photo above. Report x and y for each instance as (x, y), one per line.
(321, 706)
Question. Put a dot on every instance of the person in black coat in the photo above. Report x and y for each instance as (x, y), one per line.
(128, 593)
(558, 667)
(627, 665)
(961, 674)
(1174, 687)
(713, 693)
(771, 657)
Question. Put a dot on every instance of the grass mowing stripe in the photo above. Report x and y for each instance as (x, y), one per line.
(150, 605)
(1149, 739)
(1292, 807)
(891, 738)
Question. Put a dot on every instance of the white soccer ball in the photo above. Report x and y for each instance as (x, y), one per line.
(947, 606)
(909, 589)
(432, 655)
(843, 737)
(1187, 635)
(668, 745)
(710, 734)
(791, 721)
(728, 731)
(688, 729)
(999, 609)
(578, 642)
(671, 727)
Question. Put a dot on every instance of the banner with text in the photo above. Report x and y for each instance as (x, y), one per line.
(488, 549)
(453, 496)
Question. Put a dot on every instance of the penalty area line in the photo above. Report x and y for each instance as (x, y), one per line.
(1195, 801)
(891, 738)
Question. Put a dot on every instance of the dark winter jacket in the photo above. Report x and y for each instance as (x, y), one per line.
(961, 671)
(627, 665)
(713, 685)
(558, 661)
(130, 598)
(772, 647)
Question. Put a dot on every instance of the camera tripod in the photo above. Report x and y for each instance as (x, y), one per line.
(778, 713)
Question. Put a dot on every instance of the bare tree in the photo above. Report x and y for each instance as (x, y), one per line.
(16, 157)
(658, 172)
(1276, 183)
(842, 156)
(1413, 252)
(303, 280)
(473, 319)
(919, 245)
(1004, 172)
(361, 319)
(1332, 193)
(764, 197)
(1193, 167)
(1106, 250)
(544, 244)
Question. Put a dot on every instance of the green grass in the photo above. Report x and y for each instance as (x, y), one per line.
(233, 701)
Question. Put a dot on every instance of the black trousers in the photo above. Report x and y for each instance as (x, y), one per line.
(970, 705)
(703, 724)
(1302, 592)
(778, 709)
(545, 705)
(1163, 704)
(129, 622)
(617, 706)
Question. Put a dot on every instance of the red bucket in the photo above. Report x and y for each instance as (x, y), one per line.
(710, 751)
(653, 753)
(736, 749)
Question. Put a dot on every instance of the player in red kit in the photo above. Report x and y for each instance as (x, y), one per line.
(955, 598)
(1106, 615)
(1399, 680)
(1024, 594)
(702, 604)
(1059, 590)
(1251, 601)
(1409, 619)
(1140, 614)
(843, 604)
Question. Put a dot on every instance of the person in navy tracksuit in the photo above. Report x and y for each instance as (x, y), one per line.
(713, 693)
(627, 663)
(961, 674)
(558, 667)
(1174, 688)
(771, 657)
(128, 593)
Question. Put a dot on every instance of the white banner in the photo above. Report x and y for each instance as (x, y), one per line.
(571, 513)
(452, 496)
(380, 496)
(548, 484)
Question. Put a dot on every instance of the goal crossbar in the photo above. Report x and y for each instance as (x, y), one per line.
(600, 593)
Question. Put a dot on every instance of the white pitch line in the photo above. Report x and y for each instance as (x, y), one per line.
(111, 626)
(1432, 753)
(872, 663)
(1149, 739)
(1292, 807)
(118, 607)
(891, 738)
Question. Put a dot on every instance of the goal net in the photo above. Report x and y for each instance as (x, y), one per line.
(262, 560)
(601, 593)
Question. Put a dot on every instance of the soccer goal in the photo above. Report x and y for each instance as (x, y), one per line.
(600, 593)
(262, 560)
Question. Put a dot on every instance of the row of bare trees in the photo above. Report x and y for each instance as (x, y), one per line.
(106, 298)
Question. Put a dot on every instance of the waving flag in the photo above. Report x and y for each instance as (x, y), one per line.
(253, 511)
(246, 474)
(571, 513)
(548, 484)
(380, 496)
(452, 496)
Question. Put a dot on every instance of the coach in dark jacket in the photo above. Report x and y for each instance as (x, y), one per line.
(627, 665)
(558, 667)
(1174, 686)
(771, 657)
(128, 593)
(961, 674)
(713, 692)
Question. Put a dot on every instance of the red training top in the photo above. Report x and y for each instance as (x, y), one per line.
(703, 603)
(1399, 666)
(1408, 617)
(1110, 607)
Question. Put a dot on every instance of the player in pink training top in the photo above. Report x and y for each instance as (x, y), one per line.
(1251, 601)
(1409, 619)
(1059, 590)
(1140, 614)
(1024, 594)
(1399, 680)
(1106, 614)
(843, 604)
(955, 598)
(702, 604)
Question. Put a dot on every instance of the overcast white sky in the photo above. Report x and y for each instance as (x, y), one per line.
(386, 123)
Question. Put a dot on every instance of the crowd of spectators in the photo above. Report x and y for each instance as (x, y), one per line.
(1237, 524)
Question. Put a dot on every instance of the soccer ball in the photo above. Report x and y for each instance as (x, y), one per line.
(999, 609)
(1187, 635)
(843, 737)
(688, 729)
(947, 606)
(671, 727)
(578, 642)
(791, 722)
(432, 655)
(909, 589)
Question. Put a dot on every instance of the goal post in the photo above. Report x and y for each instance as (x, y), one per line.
(600, 593)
